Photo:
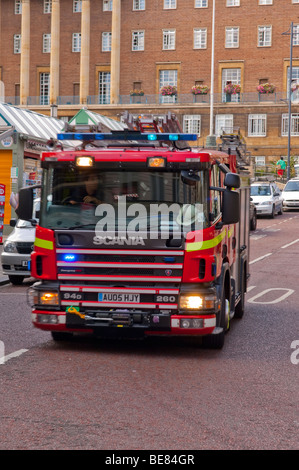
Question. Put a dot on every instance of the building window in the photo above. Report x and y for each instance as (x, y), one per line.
(169, 4)
(232, 3)
(107, 5)
(77, 6)
(201, 3)
(18, 7)
(138, 4)
(294, 81)
(106, 42)
(192, 124)
(232, 36)
(47, 6)
(233, 76)
(224, 122)
(46, 43)
(168, 77)
(265, 2)
(168, 39)
(17, 44)
(104, 87)
(44, 87)
(294, 125)
(200, 38)
(264, 36)
(296, 35)
(76, 42)
(260, 160)
(137, 40)
(257, 125)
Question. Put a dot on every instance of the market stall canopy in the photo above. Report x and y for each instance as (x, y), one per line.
(85, 116)
(31, 125)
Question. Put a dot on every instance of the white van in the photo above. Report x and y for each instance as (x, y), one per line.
(17, 248)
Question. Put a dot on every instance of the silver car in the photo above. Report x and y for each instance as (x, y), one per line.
(15, 257)
(16, 254)
(267, 198)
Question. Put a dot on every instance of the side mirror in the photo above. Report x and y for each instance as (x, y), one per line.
(25, 207)
(189, 177)
(232, 180)
(230, 207)
(12, 222)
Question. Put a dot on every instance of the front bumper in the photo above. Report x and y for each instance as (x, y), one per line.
(290, 204)
(264, 210)
(175, 325)
(15, 264)
(80, 314)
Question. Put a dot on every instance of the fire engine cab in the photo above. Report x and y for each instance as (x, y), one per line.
(139, 234)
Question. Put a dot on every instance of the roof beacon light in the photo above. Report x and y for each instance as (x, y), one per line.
(84, 161)
(125, 136)
(156, 162)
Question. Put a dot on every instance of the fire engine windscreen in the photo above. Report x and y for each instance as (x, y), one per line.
(127, 202)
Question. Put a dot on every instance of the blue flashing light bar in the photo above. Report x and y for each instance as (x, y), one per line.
(125, 135)
(69, 257)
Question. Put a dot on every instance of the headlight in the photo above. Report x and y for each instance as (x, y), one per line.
(266, 203)
(48, 298)
(196, 302)
(10, 247)
(36, 297)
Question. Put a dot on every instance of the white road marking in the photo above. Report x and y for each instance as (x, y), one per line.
(290, 244)
(288, 292)
(260, 258)
(18, 353)
(250, 288)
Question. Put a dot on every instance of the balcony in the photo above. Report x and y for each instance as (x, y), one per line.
(187, 99)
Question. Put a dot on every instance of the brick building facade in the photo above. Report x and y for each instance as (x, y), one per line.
(87, 53)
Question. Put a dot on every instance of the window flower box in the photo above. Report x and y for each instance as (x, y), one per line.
(168, 90)
(136, 93)
(200, 90)
(232, 89)
(266, 89)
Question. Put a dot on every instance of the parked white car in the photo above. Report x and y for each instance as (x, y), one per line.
(15, 257)
(290, 194)
(267, 198)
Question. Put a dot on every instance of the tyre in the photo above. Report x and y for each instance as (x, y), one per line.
(272, 213)
(61, 336)
(16, 280)
(240, 307)
(253, 222)
(216, 341)
(280, 211)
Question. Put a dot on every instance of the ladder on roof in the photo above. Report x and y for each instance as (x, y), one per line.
(148, 123)
(232, 141)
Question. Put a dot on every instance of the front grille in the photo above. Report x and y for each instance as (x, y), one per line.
(129, 265)
(24, 248)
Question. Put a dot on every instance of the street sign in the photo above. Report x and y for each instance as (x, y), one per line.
(2, 206)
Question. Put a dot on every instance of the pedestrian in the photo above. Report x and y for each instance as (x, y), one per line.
(281, 166)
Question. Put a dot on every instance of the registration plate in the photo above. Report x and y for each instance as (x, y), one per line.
(116, 297)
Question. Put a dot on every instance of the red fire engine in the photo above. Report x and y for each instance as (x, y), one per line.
(139, 234)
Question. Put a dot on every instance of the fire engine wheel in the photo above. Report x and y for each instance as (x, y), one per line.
(239, 308)
(216, 341)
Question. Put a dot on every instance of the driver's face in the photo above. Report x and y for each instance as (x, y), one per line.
(91, 184)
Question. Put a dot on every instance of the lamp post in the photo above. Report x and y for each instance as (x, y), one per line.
(289, 98)
(211, 139)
